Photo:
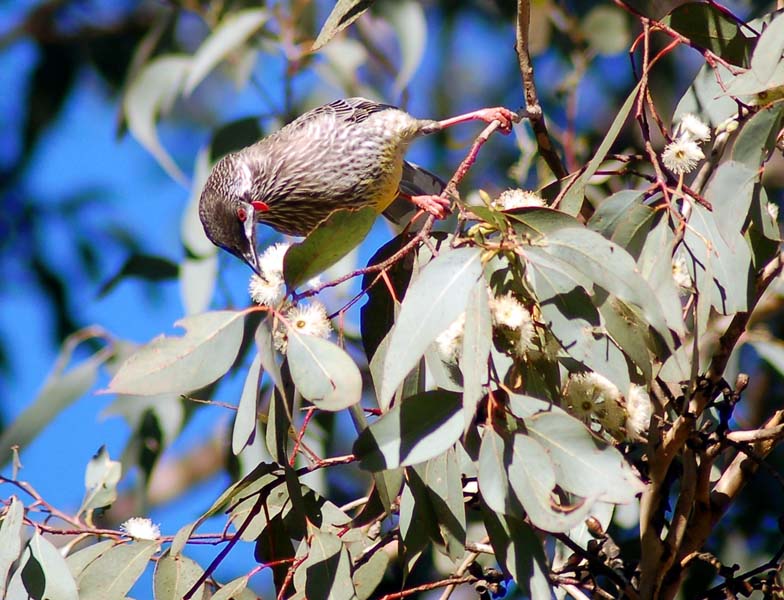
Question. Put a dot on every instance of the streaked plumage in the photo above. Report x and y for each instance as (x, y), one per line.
(345, 154)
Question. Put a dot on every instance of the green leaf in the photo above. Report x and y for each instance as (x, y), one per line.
(323, 373)
(113, 573)
(757, 137)
(477, 341)
(377, 315)
(61, 389)
(413, 529)
(265, 344)
(79, 560)
(263, 498)
(151, 92)
(231, 493)
(245, 420)
(766, 60)
(327, 244)
(368, 575)
(197, 283)
(516, 475)
(10, 539)
(231, 33)
(181, 364)
(343, 15)
(407, 18)
(611, 267)
(731, 189)
(328, 568)
(607, 30)
(174, 575)
(655, 264)
(519, 551)
(623, 219)
(439, 478)
(710, 28)
(230, 591)
(572, 318)
(432, 303)
(583, 465)
(537, 222)
(721, 258)
(629, 330)
(142, 266)
(413, 431)
(572, 200)
(60, 584)
(100, 481)
(192, 233)
(706, 98)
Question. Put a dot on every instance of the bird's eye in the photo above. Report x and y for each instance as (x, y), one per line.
(242, 214)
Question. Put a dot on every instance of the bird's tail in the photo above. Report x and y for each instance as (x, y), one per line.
(416, 181)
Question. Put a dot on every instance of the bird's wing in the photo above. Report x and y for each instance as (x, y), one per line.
(352, 110)
(416, 181)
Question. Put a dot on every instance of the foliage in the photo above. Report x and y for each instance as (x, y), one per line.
(526, 370)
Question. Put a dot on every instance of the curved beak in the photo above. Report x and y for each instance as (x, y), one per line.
(250, 256)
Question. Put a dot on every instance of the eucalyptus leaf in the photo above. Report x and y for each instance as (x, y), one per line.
(245, 420)
(333, 239)
(328, 568)
(229, 35)
(322, 372)
(112, 575)
(432, 303)
(100, 481)
(10, 538)
(181, 364)
(477, 341)
(413, 431)
(174, 576)
(152, 91)
(343, 14)
(583, 465)
(407, 18)
(232, 589)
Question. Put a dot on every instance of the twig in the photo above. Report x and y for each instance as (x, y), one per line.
(536, 116)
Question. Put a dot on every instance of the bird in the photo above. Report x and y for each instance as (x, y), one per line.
(348, 154)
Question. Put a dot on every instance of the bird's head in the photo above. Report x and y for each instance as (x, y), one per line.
(228, 211)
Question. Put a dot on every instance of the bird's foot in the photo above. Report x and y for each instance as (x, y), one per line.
(435, 205)
(504, 116)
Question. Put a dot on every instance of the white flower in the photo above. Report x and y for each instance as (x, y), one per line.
(682, 155)
(450, 342)
(306, 319)
(773, 210)
(508, 312)
(269, 288)
(518, 199)
(141, 528)
(516, 322)
(271, 261)
(639, 410)
(680, 271)
(267, 291)
(693, 128)
(590, 395)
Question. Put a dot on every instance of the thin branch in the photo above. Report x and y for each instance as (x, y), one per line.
(536, 116)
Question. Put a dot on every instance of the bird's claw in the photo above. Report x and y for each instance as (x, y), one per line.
(504, 116)
(435, 205)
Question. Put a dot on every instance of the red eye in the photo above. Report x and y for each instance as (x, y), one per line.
(242, 214)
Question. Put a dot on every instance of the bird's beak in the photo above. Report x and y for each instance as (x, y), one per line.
(250, 256)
